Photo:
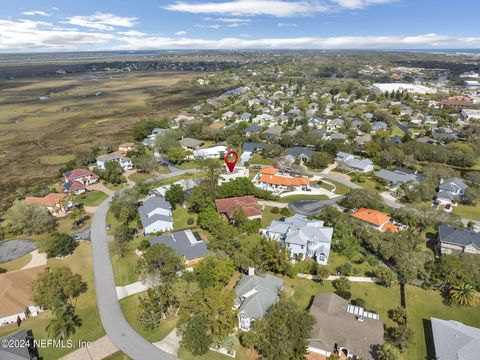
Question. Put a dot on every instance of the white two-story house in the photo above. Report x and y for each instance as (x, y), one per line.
(304, 238)
(156, 215)
(117, 156)
(451, 190)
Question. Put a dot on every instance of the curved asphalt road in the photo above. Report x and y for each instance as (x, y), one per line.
(116, 326)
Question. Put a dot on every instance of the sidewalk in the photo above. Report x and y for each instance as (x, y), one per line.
(99, 350)
(130, 289)
(169, 343)
(36, 260)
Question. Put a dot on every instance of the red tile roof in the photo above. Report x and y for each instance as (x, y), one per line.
(284, 180)
(50, 200)
(248, 204)
(376, 218)
(77, 173)
(269, 171)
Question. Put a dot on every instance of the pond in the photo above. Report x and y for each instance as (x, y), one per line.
(13, 249)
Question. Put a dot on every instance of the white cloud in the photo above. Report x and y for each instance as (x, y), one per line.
(277, 8)
(181, 33)
(102, 21)
(35, 13)
(286, 25)
(215, 26)
(360, 4)
(132, 33)
(28, 35)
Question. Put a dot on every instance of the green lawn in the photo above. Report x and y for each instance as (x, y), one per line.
(181, 216)
(125, 269)
(115, 187)
(335, 260)
(268, 216)
(81, 263)
(467, 211)
(56, 159)
(66, 225)
(141, 177)
(368, 184)
(129, 307)
(175, 178)
(17, 263)
(289, 198)
(118, 356)
(424, 304)
(194, 164)
(258, 159)
(378, 299)
(341, 189)
(91, 198)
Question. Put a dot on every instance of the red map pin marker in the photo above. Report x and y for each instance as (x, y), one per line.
(231, 159)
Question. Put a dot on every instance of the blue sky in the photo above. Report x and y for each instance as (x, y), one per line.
(61, 25)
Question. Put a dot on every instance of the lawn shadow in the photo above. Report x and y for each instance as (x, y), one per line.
(427, 329)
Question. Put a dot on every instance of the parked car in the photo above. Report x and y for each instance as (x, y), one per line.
(108, 227)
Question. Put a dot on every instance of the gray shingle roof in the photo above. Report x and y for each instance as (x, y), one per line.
(298, 151)
(252, 128)
(252, 146)
(262, 291)
(335, 325)
(185, 243)
(190, 142)
(16, 352)
(454, 340)
(458, 236)
(395, 177)
(155, 202)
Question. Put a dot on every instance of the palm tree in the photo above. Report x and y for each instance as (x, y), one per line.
(64, 324)
(76, 214)
(463, 294)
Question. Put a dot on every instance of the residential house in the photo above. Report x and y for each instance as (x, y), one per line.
(252, 129)
(304, 238)
(212, 152)
(126, 147)
(229, 115)
(451, 190)
(427, 140)
(457, 102)
(272, 180)
(25, 350)
(254, 296)
(354, 163)
(149, 141)
(56, 203)
(379, 125)
(338, 137)
(217, 125)
(273, 132)
(238, 172)
(187, 244)
(397, 177)
(188, 143)
(316, 122)
(156, 215)
(77, 180)
(362, 139)
(16, 295)
(117, 156)
(301, 153)
(248, 205)
(454, 340)
(246, 116)
(335, 124)
(262, 119)
(458, 240)
(248, 148)
(377, 219)
(344, 329)
(470, 114)
(185, 184)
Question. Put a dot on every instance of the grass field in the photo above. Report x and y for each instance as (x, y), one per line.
(81, 263)
(181, 216)
(66, 226)
(36, 133)
(268, 216)
(118, 356)
(56, 159)
(125, 269)
(424, 304)
(289, 198)
(91, 198)
(340, 189)
(258, 159)
(335, 260)
(129, 307)
(17, 263)
(467, 211)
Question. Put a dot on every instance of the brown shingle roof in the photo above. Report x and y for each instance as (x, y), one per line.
(248, 204)
(15, 291)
